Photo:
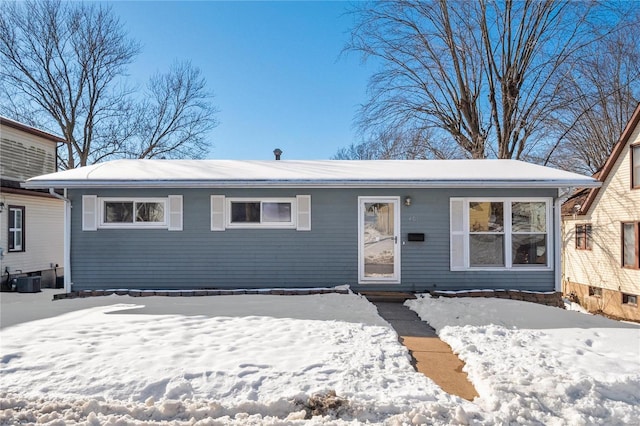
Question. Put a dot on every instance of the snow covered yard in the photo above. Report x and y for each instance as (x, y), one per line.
(273, 360)
(251, 359)
(534, 364)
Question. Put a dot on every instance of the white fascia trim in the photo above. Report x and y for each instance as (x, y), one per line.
(312, 183)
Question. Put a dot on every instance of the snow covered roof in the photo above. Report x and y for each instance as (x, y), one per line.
(317, 173)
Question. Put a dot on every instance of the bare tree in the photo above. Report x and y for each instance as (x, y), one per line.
(63, 69)
(487, 73)
(175, 116)
(394, 145)
(60, 63)
(602, 88)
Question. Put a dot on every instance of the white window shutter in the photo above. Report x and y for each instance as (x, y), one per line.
(217, 213)
(304, 213)
(89, 212)
(175, 212)
(457, 233)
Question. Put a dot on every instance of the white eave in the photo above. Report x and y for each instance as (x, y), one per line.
(325, 174)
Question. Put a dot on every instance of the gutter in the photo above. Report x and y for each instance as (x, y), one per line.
(308, 183)
(67, 237)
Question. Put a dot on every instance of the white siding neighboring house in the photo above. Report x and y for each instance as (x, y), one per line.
(31, 221)
(601, 234)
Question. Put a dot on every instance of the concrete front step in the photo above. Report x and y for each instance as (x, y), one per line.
(387, 296)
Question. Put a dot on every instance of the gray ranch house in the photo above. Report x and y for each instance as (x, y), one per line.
(385, 225)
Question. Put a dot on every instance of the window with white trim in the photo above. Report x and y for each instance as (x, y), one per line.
(260, 212)
(140, 213)
(16, 228)
(500, 233)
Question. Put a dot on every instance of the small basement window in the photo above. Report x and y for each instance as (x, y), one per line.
(629, 299)
(595, 291)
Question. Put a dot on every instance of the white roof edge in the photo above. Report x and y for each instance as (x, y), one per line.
(579, 183)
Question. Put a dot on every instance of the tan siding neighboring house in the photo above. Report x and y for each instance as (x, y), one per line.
(593, 269)
(31, 222)
(25, 155)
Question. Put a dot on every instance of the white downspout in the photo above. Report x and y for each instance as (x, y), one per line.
(67, 237)
(557, 240)
(557, 257)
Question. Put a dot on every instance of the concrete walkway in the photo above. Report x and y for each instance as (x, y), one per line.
(430, 355)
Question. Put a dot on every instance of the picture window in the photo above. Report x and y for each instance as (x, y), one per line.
(500, 233)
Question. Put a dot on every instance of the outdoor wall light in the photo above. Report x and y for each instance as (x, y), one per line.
(407, 201)
(1, 206)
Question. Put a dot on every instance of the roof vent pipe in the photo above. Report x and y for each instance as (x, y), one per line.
(277, 152)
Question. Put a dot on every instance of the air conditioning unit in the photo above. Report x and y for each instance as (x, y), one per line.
(28, 284)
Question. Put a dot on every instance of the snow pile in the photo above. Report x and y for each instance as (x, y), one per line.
(129, 362)
(536, 364)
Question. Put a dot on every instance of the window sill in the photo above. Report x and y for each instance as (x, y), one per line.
(261, 226)
(503, 269)
(133, 226)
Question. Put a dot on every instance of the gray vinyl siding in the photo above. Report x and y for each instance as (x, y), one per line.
(327, 255)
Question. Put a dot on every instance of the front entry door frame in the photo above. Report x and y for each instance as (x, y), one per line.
(394, 276)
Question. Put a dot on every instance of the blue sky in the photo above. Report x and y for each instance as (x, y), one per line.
(275, 69)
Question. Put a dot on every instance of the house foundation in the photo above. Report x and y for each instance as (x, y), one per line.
(602, 301)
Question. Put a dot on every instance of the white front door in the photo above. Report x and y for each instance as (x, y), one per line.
(378, 239)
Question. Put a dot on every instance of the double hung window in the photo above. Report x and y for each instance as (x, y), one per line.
(631, 245)
(635, 166)
(500, 233)
(486, 233)
(583, 237)
(16, 228)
